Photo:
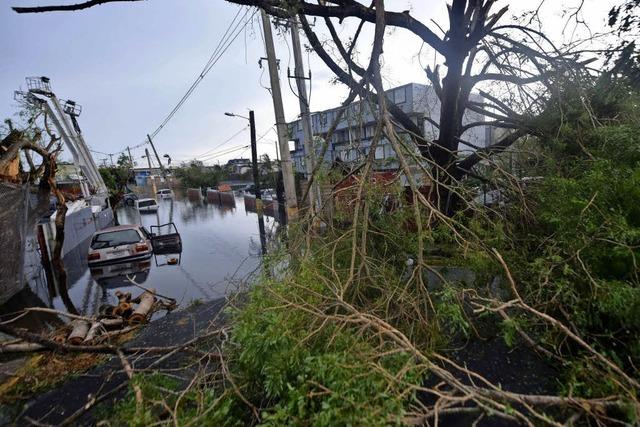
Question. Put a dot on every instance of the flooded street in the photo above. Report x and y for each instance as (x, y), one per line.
(220, 247)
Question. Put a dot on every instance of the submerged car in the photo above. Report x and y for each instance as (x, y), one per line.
(146, 205)
(164, 193)
(129, 199)
(119, 244)
(116, 275)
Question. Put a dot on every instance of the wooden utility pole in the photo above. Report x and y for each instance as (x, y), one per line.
(164, 175)
(281, 125)
(130, 157)
(254, 162)
(305, 115)
(153, 181)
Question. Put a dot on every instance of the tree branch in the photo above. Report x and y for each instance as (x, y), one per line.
(349, 8)
(66, 7)
(465, 165)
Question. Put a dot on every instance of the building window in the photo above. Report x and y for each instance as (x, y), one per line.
(389, 152)
(380, 152)
(400, 95)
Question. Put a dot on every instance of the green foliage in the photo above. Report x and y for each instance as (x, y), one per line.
(451, 316)
(115, 178)
(161, 391)
(577, 254)
(312, 372)
(198, 176)
(509, 331)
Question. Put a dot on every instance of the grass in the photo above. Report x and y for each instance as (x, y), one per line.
(44, 371)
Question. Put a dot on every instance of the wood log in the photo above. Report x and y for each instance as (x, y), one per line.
(59, 338)
(79, 332)
(93, 332)
(143, 310)
(124, 309)
(21, 347)
(110, 323)
(123, 296)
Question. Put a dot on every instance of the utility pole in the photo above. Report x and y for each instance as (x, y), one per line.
(281, 125)
(111, 159)
(305, 115)
(153, 181)
(130, 157)
(254, 161)
(164, 175)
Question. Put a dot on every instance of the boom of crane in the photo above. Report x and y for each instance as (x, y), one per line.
(64, 118)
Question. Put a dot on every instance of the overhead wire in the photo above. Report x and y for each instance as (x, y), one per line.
(225, 142)
(215, 57)
(229, 36)
(223, 153)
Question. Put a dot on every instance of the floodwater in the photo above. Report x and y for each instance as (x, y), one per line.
(221, 246)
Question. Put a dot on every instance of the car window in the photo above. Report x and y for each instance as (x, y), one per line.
(145, 232)
(115, 238)
(144, 203)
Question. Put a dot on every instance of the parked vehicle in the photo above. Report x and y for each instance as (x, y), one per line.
(164, 193)
(146, 205)
(129, 199)
(119, 244)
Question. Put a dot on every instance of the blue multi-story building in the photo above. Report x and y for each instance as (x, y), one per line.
(353, 136)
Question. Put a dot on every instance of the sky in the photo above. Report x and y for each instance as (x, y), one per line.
(128, 64)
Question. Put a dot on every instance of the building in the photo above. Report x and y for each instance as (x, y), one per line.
(238, 166)
(141, 175)
(352, 138)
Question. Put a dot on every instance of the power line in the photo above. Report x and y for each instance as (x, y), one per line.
(213, 60)
(224, 153)
(226, 141)
(229, 36)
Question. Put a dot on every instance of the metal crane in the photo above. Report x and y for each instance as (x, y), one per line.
(64, 118)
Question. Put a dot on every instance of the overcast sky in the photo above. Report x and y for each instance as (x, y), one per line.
(129, 64)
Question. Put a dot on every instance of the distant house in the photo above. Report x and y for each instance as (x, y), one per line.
(353, 136)
(142, 174)
(238, 166)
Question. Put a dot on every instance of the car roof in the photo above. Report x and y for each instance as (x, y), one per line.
(119, 228)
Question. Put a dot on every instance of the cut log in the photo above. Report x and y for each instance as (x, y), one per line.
(21, 347)
(110, 323)
(59, 338)
(123, 309)
(143, 310)
(93, 332)
(123, 296)
(79, 332)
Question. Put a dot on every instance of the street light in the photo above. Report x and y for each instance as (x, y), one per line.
(237, 115)
(256, 176)
(254, 156)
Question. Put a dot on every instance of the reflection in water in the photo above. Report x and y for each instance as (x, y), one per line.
(218, 244)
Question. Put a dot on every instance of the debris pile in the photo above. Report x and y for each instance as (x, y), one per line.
(111, 321)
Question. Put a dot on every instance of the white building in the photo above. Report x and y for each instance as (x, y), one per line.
(353, 136)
